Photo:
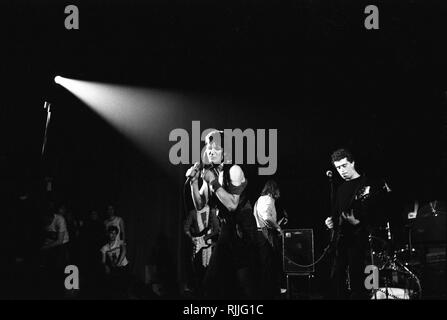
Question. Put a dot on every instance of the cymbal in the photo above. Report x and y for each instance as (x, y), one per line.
(433, 208)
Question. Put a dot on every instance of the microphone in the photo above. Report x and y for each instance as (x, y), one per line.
(329, 174)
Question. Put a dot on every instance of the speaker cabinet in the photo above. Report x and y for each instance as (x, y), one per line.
(429, 230)
(434, 280)
(298, 251)
(433, 277)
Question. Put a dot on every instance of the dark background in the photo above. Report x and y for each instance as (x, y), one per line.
(307, 68)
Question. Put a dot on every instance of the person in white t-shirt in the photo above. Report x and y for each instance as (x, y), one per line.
(56, 233)
(114, 251)
(53, 255)
(114, 220)
(267, 241)
(115, 261)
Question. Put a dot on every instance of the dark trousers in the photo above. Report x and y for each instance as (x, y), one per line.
(347, 274)
(198, 274)
(92, 275)
(227, 277)
(117, 283)
(230, 272)
(52, 266)
(268, 268)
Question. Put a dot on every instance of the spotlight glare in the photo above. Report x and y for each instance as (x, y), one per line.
(57, 79)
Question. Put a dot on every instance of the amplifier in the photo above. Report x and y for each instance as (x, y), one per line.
(298, 251)
(429, 230)
(433, 280)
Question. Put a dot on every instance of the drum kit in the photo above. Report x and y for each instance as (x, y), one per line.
(397, 267)
(400, 266)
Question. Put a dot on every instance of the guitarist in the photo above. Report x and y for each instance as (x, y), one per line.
(350, 230)
(268, 241)
(202, 227)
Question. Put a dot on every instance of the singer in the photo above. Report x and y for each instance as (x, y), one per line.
(223, 189)
(351, 224)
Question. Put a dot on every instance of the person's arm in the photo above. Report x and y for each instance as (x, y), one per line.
(55, 243)
(199, 197)
(103, 257)
(61, 229)
(122, 231)
(230, 201)
(122, 253)
(103, 260)
(274, 225)
(349, 217)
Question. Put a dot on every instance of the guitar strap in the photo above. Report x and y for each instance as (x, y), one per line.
(202, 224)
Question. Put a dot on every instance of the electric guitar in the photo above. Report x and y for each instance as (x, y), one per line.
(359, 198)
(200, 241)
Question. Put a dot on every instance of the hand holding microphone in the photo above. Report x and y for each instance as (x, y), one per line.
(329, 223)
(193, 172)
(208, 176)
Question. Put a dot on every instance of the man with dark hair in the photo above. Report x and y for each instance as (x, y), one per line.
(115, 263)
(350, 227)
(340, 154)
(229, 274)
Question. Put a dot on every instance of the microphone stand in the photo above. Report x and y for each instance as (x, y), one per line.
(332, 194)
(46, 180)
(332, 205)
(46, 106)
(371, 252)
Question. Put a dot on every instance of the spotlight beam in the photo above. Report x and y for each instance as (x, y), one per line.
(145, 116)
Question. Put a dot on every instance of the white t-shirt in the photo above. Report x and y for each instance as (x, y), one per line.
(59, 225)
(266, 210)
(116, 222)
(113, 252)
